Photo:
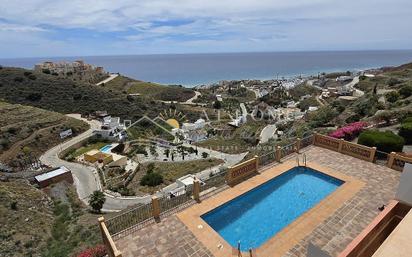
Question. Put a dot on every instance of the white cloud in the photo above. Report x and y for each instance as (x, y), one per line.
(212, 25)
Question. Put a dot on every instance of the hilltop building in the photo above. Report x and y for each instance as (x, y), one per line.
(77, 70)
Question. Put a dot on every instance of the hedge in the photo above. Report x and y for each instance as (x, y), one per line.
(385, 141)
(405, 131)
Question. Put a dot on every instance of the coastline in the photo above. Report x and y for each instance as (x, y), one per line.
(191, 70)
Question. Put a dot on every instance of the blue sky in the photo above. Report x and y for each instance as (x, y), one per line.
(37, 28)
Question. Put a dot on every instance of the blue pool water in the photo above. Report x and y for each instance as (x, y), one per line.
(105, 148)
(259, 214)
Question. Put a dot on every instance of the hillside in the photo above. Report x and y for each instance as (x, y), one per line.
(26, 130)
(150, 90)
(66, 96)
(26, 219)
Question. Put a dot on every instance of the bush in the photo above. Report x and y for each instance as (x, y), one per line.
(385, 141)
(392, 96)
(18, 79)
(350, 131)
(151, 179)
(34, 97)
(393, 81)
(97, 251)
(405, 131)
(405, 91)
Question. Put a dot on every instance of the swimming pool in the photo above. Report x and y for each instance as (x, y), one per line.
(106, 148)
(256, 216)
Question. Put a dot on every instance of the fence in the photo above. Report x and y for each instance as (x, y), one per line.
(242, 170)
(141, 214)
(107, 240)
(339, 145)
(132, 217)
(397, 161)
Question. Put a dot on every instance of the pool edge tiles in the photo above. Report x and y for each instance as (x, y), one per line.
(287, 237)
(238, 219)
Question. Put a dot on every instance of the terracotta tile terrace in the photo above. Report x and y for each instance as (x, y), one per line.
(377, 186)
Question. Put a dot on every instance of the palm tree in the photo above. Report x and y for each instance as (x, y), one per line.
(97, 200)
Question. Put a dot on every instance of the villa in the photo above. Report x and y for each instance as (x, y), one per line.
(318, 196)
(112, 129)
(105, 158)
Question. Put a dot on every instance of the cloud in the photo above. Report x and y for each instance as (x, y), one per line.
(109, 27)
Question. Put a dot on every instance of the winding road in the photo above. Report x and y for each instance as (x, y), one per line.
(87, 180)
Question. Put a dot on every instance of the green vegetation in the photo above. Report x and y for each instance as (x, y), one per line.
(322, 117)
(67, 96)
(385, 141)
(150, 90)
(151, 179)
(26, 219)
(405, 130)
(26, 130)
(239, 141)
(92, 143)
(97, 200)
(145, 129)
(167, 173)
(306, 103)
(33, 225)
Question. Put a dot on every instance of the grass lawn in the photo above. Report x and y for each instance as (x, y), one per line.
(170, 172)
(88, 147)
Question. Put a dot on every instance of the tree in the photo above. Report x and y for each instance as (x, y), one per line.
(97, 200)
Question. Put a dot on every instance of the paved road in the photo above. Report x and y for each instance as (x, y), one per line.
(352, 84)
(112, 76)
(87, 180)
(84, 177)
(267, 133)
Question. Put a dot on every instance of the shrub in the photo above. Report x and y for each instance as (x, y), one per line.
(393, 81)
(97, 251)
(392, 96)
(407, 120)
(205, 155)
(385, 141)
(32, 77)
(46, 71)
(151, 179)
(350, 131)
(405, 131)
(18, 79)
(405, 91)
(34, 97)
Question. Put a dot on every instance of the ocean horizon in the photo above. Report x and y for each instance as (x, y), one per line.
(206, 68)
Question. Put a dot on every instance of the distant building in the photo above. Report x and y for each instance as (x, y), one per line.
(109, 159)
(112, 129)
(343, 78)
(77, 70)
(54, 176)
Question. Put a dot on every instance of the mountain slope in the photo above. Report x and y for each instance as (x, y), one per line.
(66, 96)
(26, 130)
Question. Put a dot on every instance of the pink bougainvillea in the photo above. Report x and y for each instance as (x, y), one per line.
(97, 251)
(350, 131)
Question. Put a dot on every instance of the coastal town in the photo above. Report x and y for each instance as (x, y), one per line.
(134, 171)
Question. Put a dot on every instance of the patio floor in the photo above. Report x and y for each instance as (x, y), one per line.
(170, 237)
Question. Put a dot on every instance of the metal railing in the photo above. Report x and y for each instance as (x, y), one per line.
(169, 202)
(288, 149)
(130, 218)
(267, 158)
(215, 180)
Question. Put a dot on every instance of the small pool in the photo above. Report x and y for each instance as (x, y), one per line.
(106, 148)
(256, 216)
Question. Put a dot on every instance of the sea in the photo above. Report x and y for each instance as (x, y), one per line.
(201, 69)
